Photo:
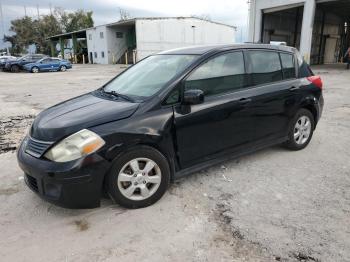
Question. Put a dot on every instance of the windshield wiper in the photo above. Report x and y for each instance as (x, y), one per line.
(115, 94)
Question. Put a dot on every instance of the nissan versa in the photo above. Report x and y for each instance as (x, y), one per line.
(167, 116)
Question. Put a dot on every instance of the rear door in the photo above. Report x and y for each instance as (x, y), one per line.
(223, 121)
(273, 77)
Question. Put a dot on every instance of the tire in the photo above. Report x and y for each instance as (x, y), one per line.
(63, 68)
(305, 131)
(15, 69)
(142, 188)
(35, 69)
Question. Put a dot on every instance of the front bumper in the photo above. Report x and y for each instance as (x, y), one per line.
(75, 184)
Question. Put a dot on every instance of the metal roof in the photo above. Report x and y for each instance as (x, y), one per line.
(82, 33)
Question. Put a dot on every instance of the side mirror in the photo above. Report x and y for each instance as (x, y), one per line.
(193, 97)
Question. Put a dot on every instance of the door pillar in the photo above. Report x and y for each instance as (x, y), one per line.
(307, 28)
(62, 47)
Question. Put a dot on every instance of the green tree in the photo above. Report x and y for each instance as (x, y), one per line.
(27, 31)
(46, 26)
(74, 21)
(24, 33)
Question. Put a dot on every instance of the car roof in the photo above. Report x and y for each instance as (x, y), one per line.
(203, 49)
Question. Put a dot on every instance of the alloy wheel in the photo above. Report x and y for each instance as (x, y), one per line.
(139, 179)
(302, 130)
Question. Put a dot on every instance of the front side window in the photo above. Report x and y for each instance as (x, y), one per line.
(288, 66)
(147, 77)
(221, 74)
(265, 67)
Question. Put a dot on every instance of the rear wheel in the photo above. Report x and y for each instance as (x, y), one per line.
(63, 68)
(35, 69)
(138, 178)
(15, 69)
(300, 130)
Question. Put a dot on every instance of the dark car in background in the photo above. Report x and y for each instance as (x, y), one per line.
(4, 59)
(48, 64)
(17, 65)
(167, 116)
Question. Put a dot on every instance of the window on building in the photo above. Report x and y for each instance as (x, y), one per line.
(221, 74)
(119, 34)
(265, 67)
(102, 54)
(90, 37)
(288, 66)
(95, 54)
(101, 34)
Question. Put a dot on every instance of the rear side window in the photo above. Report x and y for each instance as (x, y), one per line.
(303, 68)
(265, 67)
(288, 67)
(221, 74)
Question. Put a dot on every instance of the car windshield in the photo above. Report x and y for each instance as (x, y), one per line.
(148, 76)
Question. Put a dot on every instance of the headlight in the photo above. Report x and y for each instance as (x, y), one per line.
(75, 146)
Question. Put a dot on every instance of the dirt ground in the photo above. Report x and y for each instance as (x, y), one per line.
(273, 205)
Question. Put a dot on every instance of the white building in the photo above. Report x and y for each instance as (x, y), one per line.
(319, 28)
(137, 38)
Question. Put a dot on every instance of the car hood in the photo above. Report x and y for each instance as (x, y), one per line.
(78, 113)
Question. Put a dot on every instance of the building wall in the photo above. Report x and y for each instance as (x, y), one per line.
(97, 45)
(280, 23)
(116, 47)
(255, 15)
(155, 35)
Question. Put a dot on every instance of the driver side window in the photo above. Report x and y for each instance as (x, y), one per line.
(222, 74)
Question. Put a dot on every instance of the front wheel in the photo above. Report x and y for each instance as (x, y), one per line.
(138, 178)
(300, 130)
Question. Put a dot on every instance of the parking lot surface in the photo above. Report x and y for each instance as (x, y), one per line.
(272, 205)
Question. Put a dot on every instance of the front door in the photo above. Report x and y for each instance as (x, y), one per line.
(45, 64)
(223, 121)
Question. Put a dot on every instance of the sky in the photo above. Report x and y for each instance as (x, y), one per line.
(232, 12)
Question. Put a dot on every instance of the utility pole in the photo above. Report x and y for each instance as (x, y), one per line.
(3, 26)
(37, 10)
(25, 11)
(194, 34)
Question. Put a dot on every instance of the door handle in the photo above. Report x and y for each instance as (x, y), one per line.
(244, 100)
(294, 88)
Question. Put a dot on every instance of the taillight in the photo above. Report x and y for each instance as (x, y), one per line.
(316, 80)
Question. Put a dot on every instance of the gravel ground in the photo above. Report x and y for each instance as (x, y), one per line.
(273, 205)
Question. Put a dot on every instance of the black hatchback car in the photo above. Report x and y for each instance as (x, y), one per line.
(169, 115)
